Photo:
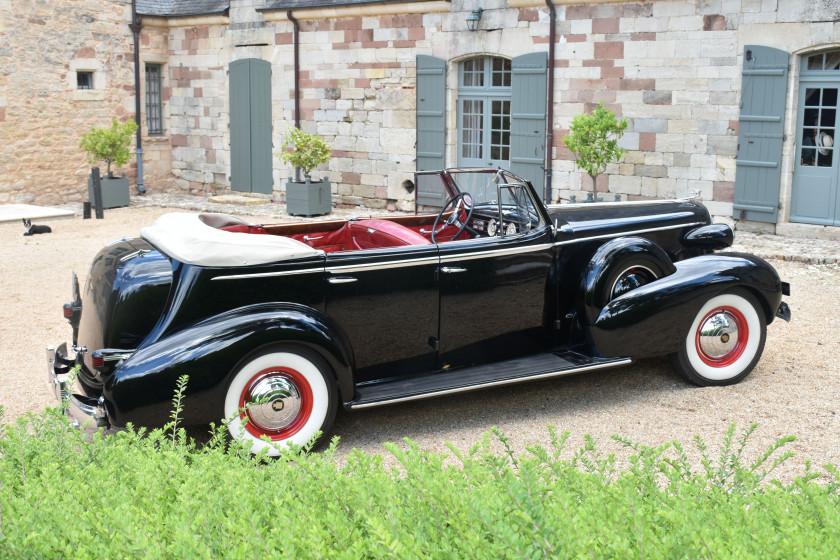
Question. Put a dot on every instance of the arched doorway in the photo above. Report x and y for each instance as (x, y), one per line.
(814, 199)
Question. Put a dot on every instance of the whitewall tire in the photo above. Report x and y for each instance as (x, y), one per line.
(286, 395)
(724, 342)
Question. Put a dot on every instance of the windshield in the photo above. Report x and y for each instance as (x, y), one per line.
(494, 192)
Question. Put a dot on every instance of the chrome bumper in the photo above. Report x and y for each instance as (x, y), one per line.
(82, 410)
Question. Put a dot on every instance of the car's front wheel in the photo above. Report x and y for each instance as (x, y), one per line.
(725, 340)
(285, 394)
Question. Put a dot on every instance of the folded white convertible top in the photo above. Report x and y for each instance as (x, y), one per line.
(190, 239)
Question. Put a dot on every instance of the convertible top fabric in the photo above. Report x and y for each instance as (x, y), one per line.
(195, 239)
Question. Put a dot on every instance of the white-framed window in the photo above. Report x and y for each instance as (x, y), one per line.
(484, 92)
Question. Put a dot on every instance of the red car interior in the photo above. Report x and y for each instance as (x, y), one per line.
(358, 235)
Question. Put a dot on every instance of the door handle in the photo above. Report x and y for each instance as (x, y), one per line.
(341, 279)
(452, 269)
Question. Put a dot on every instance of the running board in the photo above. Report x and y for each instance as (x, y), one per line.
(539, 366)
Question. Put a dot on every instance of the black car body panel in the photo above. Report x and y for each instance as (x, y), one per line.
(381, 306)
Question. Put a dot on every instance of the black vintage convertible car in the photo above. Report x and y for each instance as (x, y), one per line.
(278, 325)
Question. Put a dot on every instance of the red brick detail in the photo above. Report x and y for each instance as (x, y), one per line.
(206, 142)
(405, 44)
(578, 12)
(312, 104)
(714, 22)
(86, 52)
(2, 114)
(405, 20)
(361, 82)
(605, 25)
(594, 62)
(210, 156)
(316, 25)
(609, 49)
(647, 141)
(646, 36)
(348, 23)
(351, 155)
(529, 14)
(562, 63)
(374, 44)
(283, 38)
(351, 178)
(358, 35)
(36, 21)
(734, 126)
(380, 192)
(417, 33)
(638, 85)
(202, 33)
(179, 140)
(198, 92)
(723, 191)
(610, 72)
(538, 40)
(573, 38)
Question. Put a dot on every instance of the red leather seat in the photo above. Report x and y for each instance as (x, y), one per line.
(380, 234)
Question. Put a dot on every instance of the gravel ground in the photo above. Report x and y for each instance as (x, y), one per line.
(794, 390)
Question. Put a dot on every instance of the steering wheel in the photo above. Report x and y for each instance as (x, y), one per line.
(459, 202)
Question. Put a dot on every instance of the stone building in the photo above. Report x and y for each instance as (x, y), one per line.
(735, 100)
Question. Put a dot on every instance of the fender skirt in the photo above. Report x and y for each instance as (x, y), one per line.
(653, 320)
(141, 389)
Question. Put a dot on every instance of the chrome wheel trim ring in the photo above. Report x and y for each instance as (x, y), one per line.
(624, 272)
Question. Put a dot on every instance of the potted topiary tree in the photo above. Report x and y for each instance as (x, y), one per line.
(110, 145)
(594, 139)
(307, 198)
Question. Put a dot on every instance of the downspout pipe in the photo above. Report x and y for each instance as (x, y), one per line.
(549, 138)
(296, 43)
(136, 26)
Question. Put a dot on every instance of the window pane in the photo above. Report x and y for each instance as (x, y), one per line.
(812, 97)
(501, 72)
(472, 125)
(473, 72)
(154, 100)
(829, 97)
(832, 61)
(84, 80)
(815, 62)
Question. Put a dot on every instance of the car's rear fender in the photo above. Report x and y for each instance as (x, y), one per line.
(652, 320)
(140, 390)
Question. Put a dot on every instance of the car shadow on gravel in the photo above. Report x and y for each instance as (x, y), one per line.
(531, 405)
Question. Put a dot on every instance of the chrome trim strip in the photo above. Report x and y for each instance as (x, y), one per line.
(381, 265)
(622, 362)
(496, 252)
(341, 279)
(625, 233)
(268, 274)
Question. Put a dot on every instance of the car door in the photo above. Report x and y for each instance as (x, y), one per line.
(494, 294)
(386, 301)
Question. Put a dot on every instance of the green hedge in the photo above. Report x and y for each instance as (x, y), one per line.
(137, 494)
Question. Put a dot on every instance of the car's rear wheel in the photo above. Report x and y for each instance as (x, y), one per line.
(724, 342)
(284, 394)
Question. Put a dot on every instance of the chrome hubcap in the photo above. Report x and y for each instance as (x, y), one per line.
(718, 335)
(273, 403)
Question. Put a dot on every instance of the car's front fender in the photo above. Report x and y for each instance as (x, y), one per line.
(653, 320)
(140, 390)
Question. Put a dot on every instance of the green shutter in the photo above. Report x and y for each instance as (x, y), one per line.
(250, 126)
(527, 118)
(760, 134)
(240, 125)
(431, 113)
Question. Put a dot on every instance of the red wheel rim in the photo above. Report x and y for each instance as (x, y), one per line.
(300, 383)
(740, 323)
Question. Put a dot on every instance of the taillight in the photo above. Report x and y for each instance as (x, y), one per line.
(68, 310)
(98, 362)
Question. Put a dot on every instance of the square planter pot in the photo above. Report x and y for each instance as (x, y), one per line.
(114, 192)
(308, 199)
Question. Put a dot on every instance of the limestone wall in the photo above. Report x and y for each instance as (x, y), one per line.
(42, 113)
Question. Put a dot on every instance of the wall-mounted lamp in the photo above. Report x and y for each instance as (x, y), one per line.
(473, 19)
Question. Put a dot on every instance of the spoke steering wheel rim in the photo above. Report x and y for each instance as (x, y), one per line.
(460, 197)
